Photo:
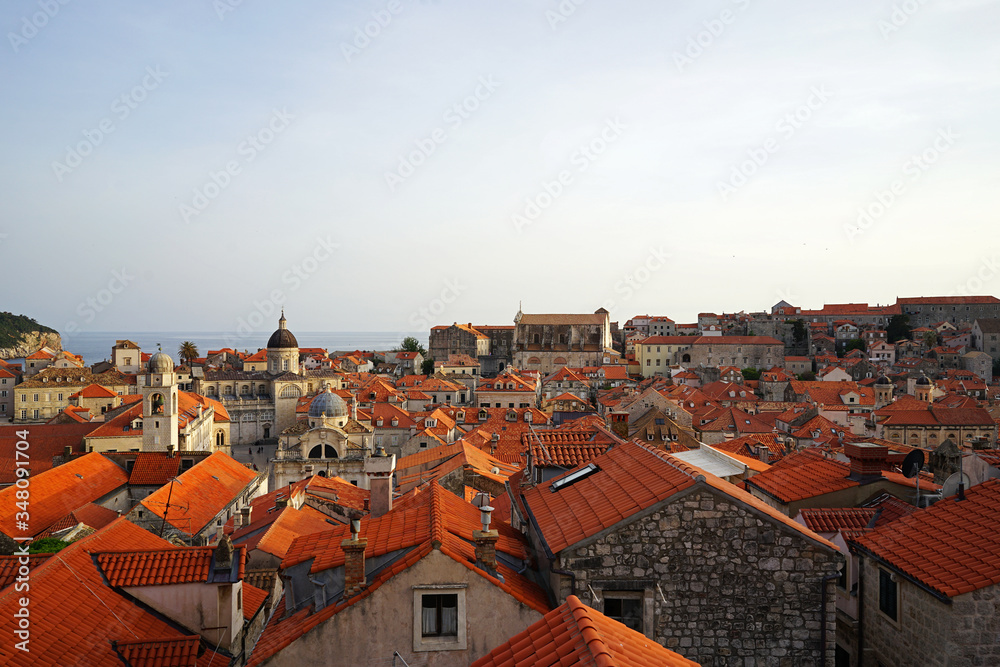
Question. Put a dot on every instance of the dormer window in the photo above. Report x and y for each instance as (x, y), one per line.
(511, 416)
(460, 415)
(379, 422)
(483, 415)
(395, 422)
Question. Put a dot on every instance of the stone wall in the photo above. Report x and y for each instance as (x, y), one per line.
(930, 632)
(735, 586)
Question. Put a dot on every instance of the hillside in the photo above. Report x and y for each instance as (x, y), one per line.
(19, 332)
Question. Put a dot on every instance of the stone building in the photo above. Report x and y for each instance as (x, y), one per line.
(925, 311)
(261, 403)
(927, 585)
(329, 443)
(739, 351)
(431, 581)
(46, 394)
(546, 343)
(687, 559)
(491, 345)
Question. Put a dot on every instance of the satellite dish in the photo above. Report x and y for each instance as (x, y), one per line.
(913, 462)
(950, 486)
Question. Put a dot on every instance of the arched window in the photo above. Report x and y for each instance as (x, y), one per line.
(686, 359)
(155, 404)
(220, 438)
(245, 390)
(323, 452)
(290, 391)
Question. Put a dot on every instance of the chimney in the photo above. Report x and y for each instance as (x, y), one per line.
(486, 543)
(354, 561)
(867, 460)
(379, 467)
(67, 452)
(170, 451)
(245, 516)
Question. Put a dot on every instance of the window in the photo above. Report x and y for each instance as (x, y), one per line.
(439, 615)
(439, 618)
(888, 594)
(625, 610)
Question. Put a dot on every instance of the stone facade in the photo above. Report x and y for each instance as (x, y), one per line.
(720, 583)
(738, 351)
(929, 631)
(546, 343)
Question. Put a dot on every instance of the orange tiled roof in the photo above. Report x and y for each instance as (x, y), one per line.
(9, 567)
(154, 469)
(57, 492)
(69, 591)
(158, 567)
(46, 441)
(91, 515)
(432, 519)
(94, 391)
(253, 598)
(169, 652)
(575, 634)
(951, 546)
(629, 478)
(836, 519)
(566, 448)
(203, 492)
(290, 524)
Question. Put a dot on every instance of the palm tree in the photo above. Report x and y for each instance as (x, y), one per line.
(188, 351)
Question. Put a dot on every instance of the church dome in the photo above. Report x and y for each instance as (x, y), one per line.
(161, 363)
(883, 381)
(923, 381)
(329, 404)
(282, 337)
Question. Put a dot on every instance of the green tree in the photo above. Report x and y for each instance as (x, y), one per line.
(750, 373)
(798, 330)
(411, 344)
(427, 368)
(930, 339)
(187, 351)
(854, 344)
(808, 376)
(46, 545)
(898, 329)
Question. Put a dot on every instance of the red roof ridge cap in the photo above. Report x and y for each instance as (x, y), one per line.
(691, 471)
(436, 515)
(588, 631)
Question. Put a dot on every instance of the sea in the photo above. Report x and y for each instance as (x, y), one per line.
(95, 346)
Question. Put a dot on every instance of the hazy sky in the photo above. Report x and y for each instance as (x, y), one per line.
(391, 165)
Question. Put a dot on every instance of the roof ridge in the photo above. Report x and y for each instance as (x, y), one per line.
(436, 514)
(691, 471)
(588, 631)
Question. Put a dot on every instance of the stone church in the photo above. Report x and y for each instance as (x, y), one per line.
(546, 343)
(261, 403)
(330, 443)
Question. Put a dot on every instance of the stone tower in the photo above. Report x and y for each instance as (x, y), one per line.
(883, 391)
(159, 405)
(282, 350)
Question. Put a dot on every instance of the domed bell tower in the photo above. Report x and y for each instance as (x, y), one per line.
(159, 405)
(282, 350)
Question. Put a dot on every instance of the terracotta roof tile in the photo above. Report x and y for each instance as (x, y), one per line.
(154, 469)
(158, 567)
(575, 634)
(57, 492)
(74, 611)
(203, 492)
(171, 652)
(9, 566)
(951, 546)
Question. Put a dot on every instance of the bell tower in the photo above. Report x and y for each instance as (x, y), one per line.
(159, 405)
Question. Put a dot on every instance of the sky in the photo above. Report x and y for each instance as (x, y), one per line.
(392, 165)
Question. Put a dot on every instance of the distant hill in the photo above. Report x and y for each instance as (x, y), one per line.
(18, 332)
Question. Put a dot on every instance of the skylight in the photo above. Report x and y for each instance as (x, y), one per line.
(574, 476)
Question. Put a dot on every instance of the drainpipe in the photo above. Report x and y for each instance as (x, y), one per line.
(861, 609)
(822, 612)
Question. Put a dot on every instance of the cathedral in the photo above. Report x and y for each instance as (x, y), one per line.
(261, 403)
